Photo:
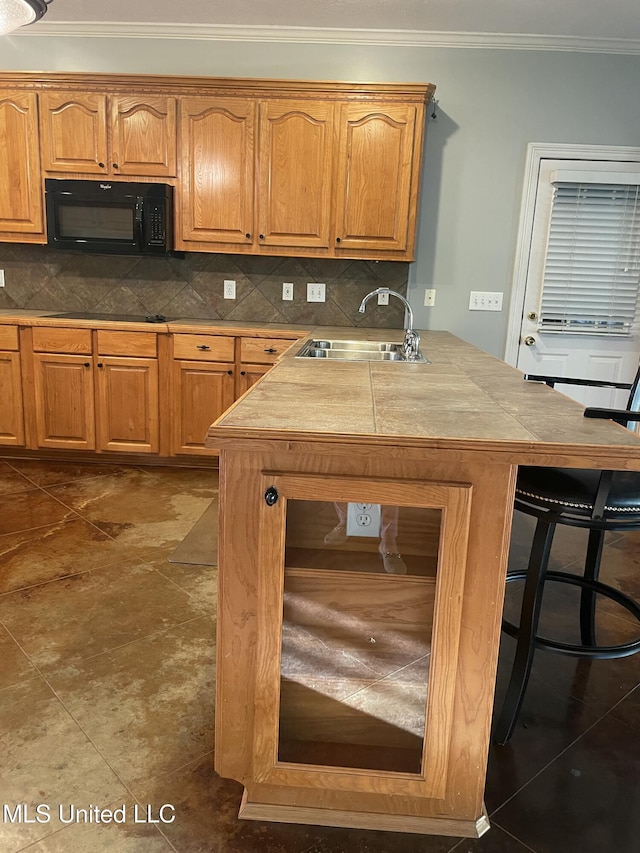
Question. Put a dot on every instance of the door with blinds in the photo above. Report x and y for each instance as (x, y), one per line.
(581, 312)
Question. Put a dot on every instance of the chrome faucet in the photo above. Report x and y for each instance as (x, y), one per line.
(411, 343)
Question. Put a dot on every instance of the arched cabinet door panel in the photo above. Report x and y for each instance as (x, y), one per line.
(377, 178)
(216, 192)
(21, 217)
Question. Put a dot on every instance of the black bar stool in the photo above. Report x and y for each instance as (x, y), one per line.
(596, 500)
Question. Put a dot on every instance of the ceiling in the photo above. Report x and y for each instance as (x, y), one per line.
(567, 24)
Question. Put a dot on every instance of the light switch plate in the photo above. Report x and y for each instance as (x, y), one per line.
(287, 291)
(1, 278)
(316, 291)
(480, 300)
(229, 289)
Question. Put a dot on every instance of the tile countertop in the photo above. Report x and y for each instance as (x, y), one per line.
(464, 400)
(30, 317)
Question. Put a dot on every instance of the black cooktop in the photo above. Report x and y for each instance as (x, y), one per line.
(116, 318)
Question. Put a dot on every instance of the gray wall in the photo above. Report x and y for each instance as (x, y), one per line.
(492, 103)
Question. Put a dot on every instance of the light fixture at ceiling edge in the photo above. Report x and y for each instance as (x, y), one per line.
(18, 13)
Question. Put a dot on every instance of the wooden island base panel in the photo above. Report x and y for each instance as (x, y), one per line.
(355, 673)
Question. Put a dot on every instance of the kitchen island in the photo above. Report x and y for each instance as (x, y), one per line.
(365, 515)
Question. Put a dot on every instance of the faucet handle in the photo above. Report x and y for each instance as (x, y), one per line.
(411, 344)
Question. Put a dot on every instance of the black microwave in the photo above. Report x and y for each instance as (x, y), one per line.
(109, 216)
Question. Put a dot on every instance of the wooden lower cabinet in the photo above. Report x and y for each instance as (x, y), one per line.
(201, 391)
(11, 407)
(64, 401)
(248, 375)
(127, 410)
(354, 688)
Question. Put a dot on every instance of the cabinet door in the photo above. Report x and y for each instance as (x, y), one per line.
(143, 136)
(248, 375)
(217, 144)
(11, 409)
(202, 391)
(20, 180)
(295, 171)
(64, 401)
(373, 198)
(352, 572)
(74, 132)
(127, 411)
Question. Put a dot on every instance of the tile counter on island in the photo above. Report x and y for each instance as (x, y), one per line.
(365, 515)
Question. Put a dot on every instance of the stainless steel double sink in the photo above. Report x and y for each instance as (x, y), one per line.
(356, 351)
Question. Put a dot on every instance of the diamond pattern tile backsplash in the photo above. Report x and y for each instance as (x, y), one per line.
(44, 279)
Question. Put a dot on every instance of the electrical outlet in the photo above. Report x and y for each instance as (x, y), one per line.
(485, 301)
(316, 291)
(1, 278)
(383, 299)
(429, 297)
(229, 289)
(287, 291)
(363, 519)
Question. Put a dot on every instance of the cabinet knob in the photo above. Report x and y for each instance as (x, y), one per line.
(261, 236)
(203, 347)
(230, 372)
(243, 373)
(100, 364)
(271, 496)
(248, 236)
(338, 239)
(87, 364)
(115, 165)
(101, 165)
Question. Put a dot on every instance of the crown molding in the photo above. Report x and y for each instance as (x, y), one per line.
(313, 35)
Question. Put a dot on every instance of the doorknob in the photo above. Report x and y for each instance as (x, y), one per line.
(529, 341)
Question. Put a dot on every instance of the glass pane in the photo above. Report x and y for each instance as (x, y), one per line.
(357, 625)
(106, 222)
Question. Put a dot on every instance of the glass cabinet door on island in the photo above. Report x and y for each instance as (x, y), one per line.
(360, 601)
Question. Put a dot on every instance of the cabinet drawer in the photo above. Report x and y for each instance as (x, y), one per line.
(8, 337)
(128, 343)
(203, 347)
(263, 350)
(62, 340)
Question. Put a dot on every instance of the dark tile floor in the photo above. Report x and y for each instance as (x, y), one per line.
(106, 689)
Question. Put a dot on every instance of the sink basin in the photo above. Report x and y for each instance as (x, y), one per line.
(355, 351)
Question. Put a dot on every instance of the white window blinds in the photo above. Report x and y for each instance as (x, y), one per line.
(592, 264)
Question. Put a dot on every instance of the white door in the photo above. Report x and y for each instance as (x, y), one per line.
(566, 351)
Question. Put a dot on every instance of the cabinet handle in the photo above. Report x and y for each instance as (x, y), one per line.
(230, 372)
(271, 496)
(203, 347)
(338, 239)
(271, 349)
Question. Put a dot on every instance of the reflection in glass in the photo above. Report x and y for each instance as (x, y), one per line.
(357, 626)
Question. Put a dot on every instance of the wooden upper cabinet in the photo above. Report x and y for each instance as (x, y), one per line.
(217, 151)
(73, 128)
(144, 135)
(295, 172)
(21, 215)
(112, 135)
(378, 174)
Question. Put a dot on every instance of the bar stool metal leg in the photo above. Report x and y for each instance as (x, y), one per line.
(588, 595)
(529, 618)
